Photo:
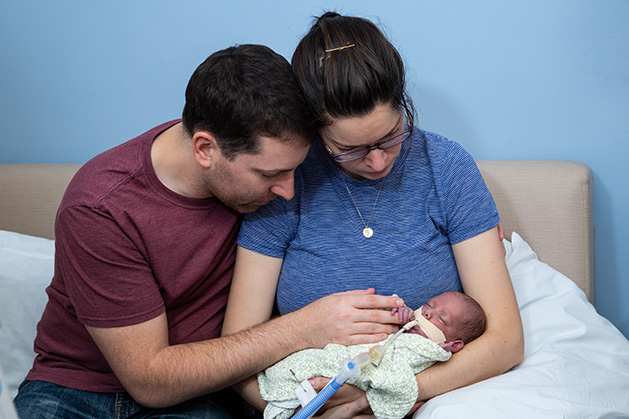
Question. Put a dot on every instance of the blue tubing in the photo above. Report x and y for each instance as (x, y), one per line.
(314, 404)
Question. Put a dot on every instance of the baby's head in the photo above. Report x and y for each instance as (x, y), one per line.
(458, 316)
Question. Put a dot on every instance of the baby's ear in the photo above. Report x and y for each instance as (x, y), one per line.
(453, 346)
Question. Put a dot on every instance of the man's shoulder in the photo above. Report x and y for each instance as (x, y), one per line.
(102, 173)
(111, 169)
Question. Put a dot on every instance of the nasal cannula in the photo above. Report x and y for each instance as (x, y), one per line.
(350, 368)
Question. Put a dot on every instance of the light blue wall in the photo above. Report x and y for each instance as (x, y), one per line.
(535, 79)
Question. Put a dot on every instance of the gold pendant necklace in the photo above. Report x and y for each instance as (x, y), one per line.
(367, 231)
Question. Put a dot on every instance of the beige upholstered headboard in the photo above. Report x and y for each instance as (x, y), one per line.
(548, 202)
(30, 195)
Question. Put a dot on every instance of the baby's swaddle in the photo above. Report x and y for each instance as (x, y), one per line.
(391, 387)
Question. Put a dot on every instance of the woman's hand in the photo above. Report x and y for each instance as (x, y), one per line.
(347, 402)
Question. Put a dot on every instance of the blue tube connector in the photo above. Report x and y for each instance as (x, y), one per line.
(313, 405)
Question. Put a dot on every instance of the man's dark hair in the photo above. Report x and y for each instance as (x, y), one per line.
(243, 92)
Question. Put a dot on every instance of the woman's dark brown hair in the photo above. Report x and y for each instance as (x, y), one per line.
(346, 66)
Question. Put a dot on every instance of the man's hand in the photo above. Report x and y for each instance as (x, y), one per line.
(349, 318)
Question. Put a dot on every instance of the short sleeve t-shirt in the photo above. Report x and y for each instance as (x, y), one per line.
(433, 197)
(127, 250)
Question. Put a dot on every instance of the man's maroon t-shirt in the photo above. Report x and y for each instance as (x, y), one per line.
(127, 250)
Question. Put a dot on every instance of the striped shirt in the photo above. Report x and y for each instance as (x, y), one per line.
(434, 196)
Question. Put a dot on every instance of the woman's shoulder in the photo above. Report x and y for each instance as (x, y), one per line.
(437, 150)
(436, 143)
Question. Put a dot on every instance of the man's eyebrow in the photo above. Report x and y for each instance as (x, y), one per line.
(277, 171)
(387, 135)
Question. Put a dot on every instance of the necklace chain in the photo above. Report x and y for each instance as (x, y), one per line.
(367, 232)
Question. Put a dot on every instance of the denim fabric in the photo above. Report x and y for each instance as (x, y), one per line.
(41, 400)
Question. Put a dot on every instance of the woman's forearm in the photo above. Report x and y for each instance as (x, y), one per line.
(250, 391)
(490, 355)
(484, 276)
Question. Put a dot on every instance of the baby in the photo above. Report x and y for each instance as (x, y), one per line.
(451, 320)
(444, 324)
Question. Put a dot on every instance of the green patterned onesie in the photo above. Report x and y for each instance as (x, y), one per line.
(391, 387)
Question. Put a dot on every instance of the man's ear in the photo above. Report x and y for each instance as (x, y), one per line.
(205, 148)
(453, 346)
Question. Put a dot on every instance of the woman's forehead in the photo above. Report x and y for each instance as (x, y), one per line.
(366, 130)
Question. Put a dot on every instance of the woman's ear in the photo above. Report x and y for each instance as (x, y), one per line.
(205, 148)
(453, 346)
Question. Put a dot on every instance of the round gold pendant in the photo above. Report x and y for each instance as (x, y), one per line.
(367, 232)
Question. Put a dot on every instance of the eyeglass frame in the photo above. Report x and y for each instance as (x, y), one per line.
(338, 157)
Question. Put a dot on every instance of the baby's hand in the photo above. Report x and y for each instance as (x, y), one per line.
(404, 314)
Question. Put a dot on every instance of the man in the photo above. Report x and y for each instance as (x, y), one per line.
(145, 246)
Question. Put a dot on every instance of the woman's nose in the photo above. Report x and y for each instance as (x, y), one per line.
(376, 159)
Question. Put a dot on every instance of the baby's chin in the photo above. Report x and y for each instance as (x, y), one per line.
(417, 331)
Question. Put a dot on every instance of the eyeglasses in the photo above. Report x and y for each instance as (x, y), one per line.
(359, 153)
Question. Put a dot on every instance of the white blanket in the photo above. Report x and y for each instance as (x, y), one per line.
(391, 387)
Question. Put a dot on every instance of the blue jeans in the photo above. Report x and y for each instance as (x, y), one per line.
(38, 399)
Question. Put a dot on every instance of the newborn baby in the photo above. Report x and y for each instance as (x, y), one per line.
(445, 324)
(451, 320)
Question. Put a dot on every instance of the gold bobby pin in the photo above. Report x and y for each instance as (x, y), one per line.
(340, 48)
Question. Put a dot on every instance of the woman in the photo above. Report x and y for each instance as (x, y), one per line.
(378, 203)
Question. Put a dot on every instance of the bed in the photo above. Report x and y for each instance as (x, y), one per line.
(576, 362)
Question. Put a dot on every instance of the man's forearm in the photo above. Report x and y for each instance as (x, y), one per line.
(159, 376)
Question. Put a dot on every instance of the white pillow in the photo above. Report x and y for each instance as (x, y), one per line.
(576, 363)
(26, 268)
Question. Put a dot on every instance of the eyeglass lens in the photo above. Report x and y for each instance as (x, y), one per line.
(357, 154)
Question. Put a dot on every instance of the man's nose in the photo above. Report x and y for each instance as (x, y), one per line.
(285, 187)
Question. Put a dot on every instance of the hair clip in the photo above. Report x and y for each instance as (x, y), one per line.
(340, 48)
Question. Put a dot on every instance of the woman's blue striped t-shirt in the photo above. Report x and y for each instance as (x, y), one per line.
(433, 197)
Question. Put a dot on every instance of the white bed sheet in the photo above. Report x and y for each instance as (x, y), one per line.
(576, 363)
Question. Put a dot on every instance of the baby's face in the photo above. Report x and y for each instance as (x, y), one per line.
(445, 311)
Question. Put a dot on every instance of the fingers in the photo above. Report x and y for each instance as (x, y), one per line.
(318, 383)
(501, 231)
(366, 329)
(350, 317)
(354, 409)
(501, 236)
(358, 408)
(366, 299)
(358, 292)
(406, 314)
(344, 395)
